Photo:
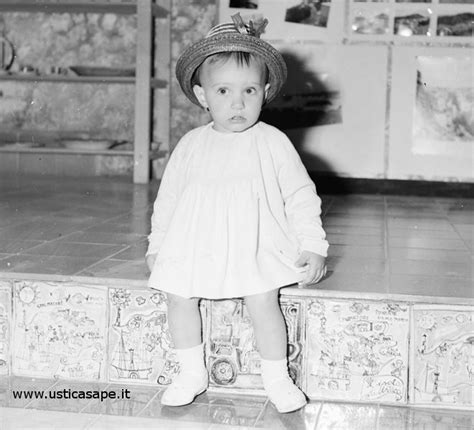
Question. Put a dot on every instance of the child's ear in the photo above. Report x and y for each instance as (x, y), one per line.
(267, 87)
(199, 93)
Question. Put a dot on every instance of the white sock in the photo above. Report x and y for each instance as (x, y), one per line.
(281, 390)
(190, 381)
(191, 359)
(273, 370)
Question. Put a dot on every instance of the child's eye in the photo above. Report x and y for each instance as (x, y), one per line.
(222, 91)
(251, 90)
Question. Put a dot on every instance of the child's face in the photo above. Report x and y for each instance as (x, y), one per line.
(233, 93)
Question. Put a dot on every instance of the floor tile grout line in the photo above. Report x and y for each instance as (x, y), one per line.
(48, 388)
(92, 421)
(377, 416)
(127, 245)
(148, 404)
(41, 242)
(318, 416)
(45, 242)
(48, 241)
(116, 216)
(78, 273)
(81, 411)
(466, 244)
(261, 413)
(124, 248)
(81, 228)
(108, 386)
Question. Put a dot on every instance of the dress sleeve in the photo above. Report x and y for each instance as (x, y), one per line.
(302, 203)
(167, 197)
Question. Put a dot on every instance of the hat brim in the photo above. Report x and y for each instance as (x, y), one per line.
(194, 56)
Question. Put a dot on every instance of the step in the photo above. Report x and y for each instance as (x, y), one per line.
(343, 346)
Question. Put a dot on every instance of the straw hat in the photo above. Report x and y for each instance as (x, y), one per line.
(231, 37)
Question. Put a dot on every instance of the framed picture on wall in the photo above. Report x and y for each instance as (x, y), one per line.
(443, 120)
(431, 118)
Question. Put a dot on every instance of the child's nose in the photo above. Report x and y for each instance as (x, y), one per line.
(238, 101)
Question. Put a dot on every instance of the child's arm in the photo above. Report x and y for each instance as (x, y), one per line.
(303, 211)
(165, 204)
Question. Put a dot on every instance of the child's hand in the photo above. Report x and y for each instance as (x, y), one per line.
(150, 261)
(315, 267)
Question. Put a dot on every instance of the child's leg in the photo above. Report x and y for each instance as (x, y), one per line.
(270, 334)
(184, 321)
(268, 325)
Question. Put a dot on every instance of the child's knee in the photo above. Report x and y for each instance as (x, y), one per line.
(175, 301)
(265, 300)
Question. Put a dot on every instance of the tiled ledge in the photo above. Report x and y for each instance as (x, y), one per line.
(294, 291)
(344, 345)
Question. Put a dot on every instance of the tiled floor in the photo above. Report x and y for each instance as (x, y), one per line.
(98, 228)
(210, 411)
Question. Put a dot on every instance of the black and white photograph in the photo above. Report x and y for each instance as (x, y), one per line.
(236, 214)
(443, 115)
(456, 24)
(244, 4)
(370, 21)
(413, 24)
(296, 20)
(311, 12)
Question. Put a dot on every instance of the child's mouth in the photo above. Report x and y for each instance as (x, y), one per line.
(237, 119)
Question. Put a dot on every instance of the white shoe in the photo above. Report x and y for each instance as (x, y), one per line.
(285, 395)
(185, 387)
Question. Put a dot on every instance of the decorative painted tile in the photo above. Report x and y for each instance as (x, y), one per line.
(357, 350)
(442, 356)
(140, 346)
(231, 351)
(5, 321)
(59, 330)
(293, 311)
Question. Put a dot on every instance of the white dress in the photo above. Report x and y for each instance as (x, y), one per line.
(216, 232)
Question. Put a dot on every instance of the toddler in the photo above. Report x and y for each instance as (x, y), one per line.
(236, 213)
